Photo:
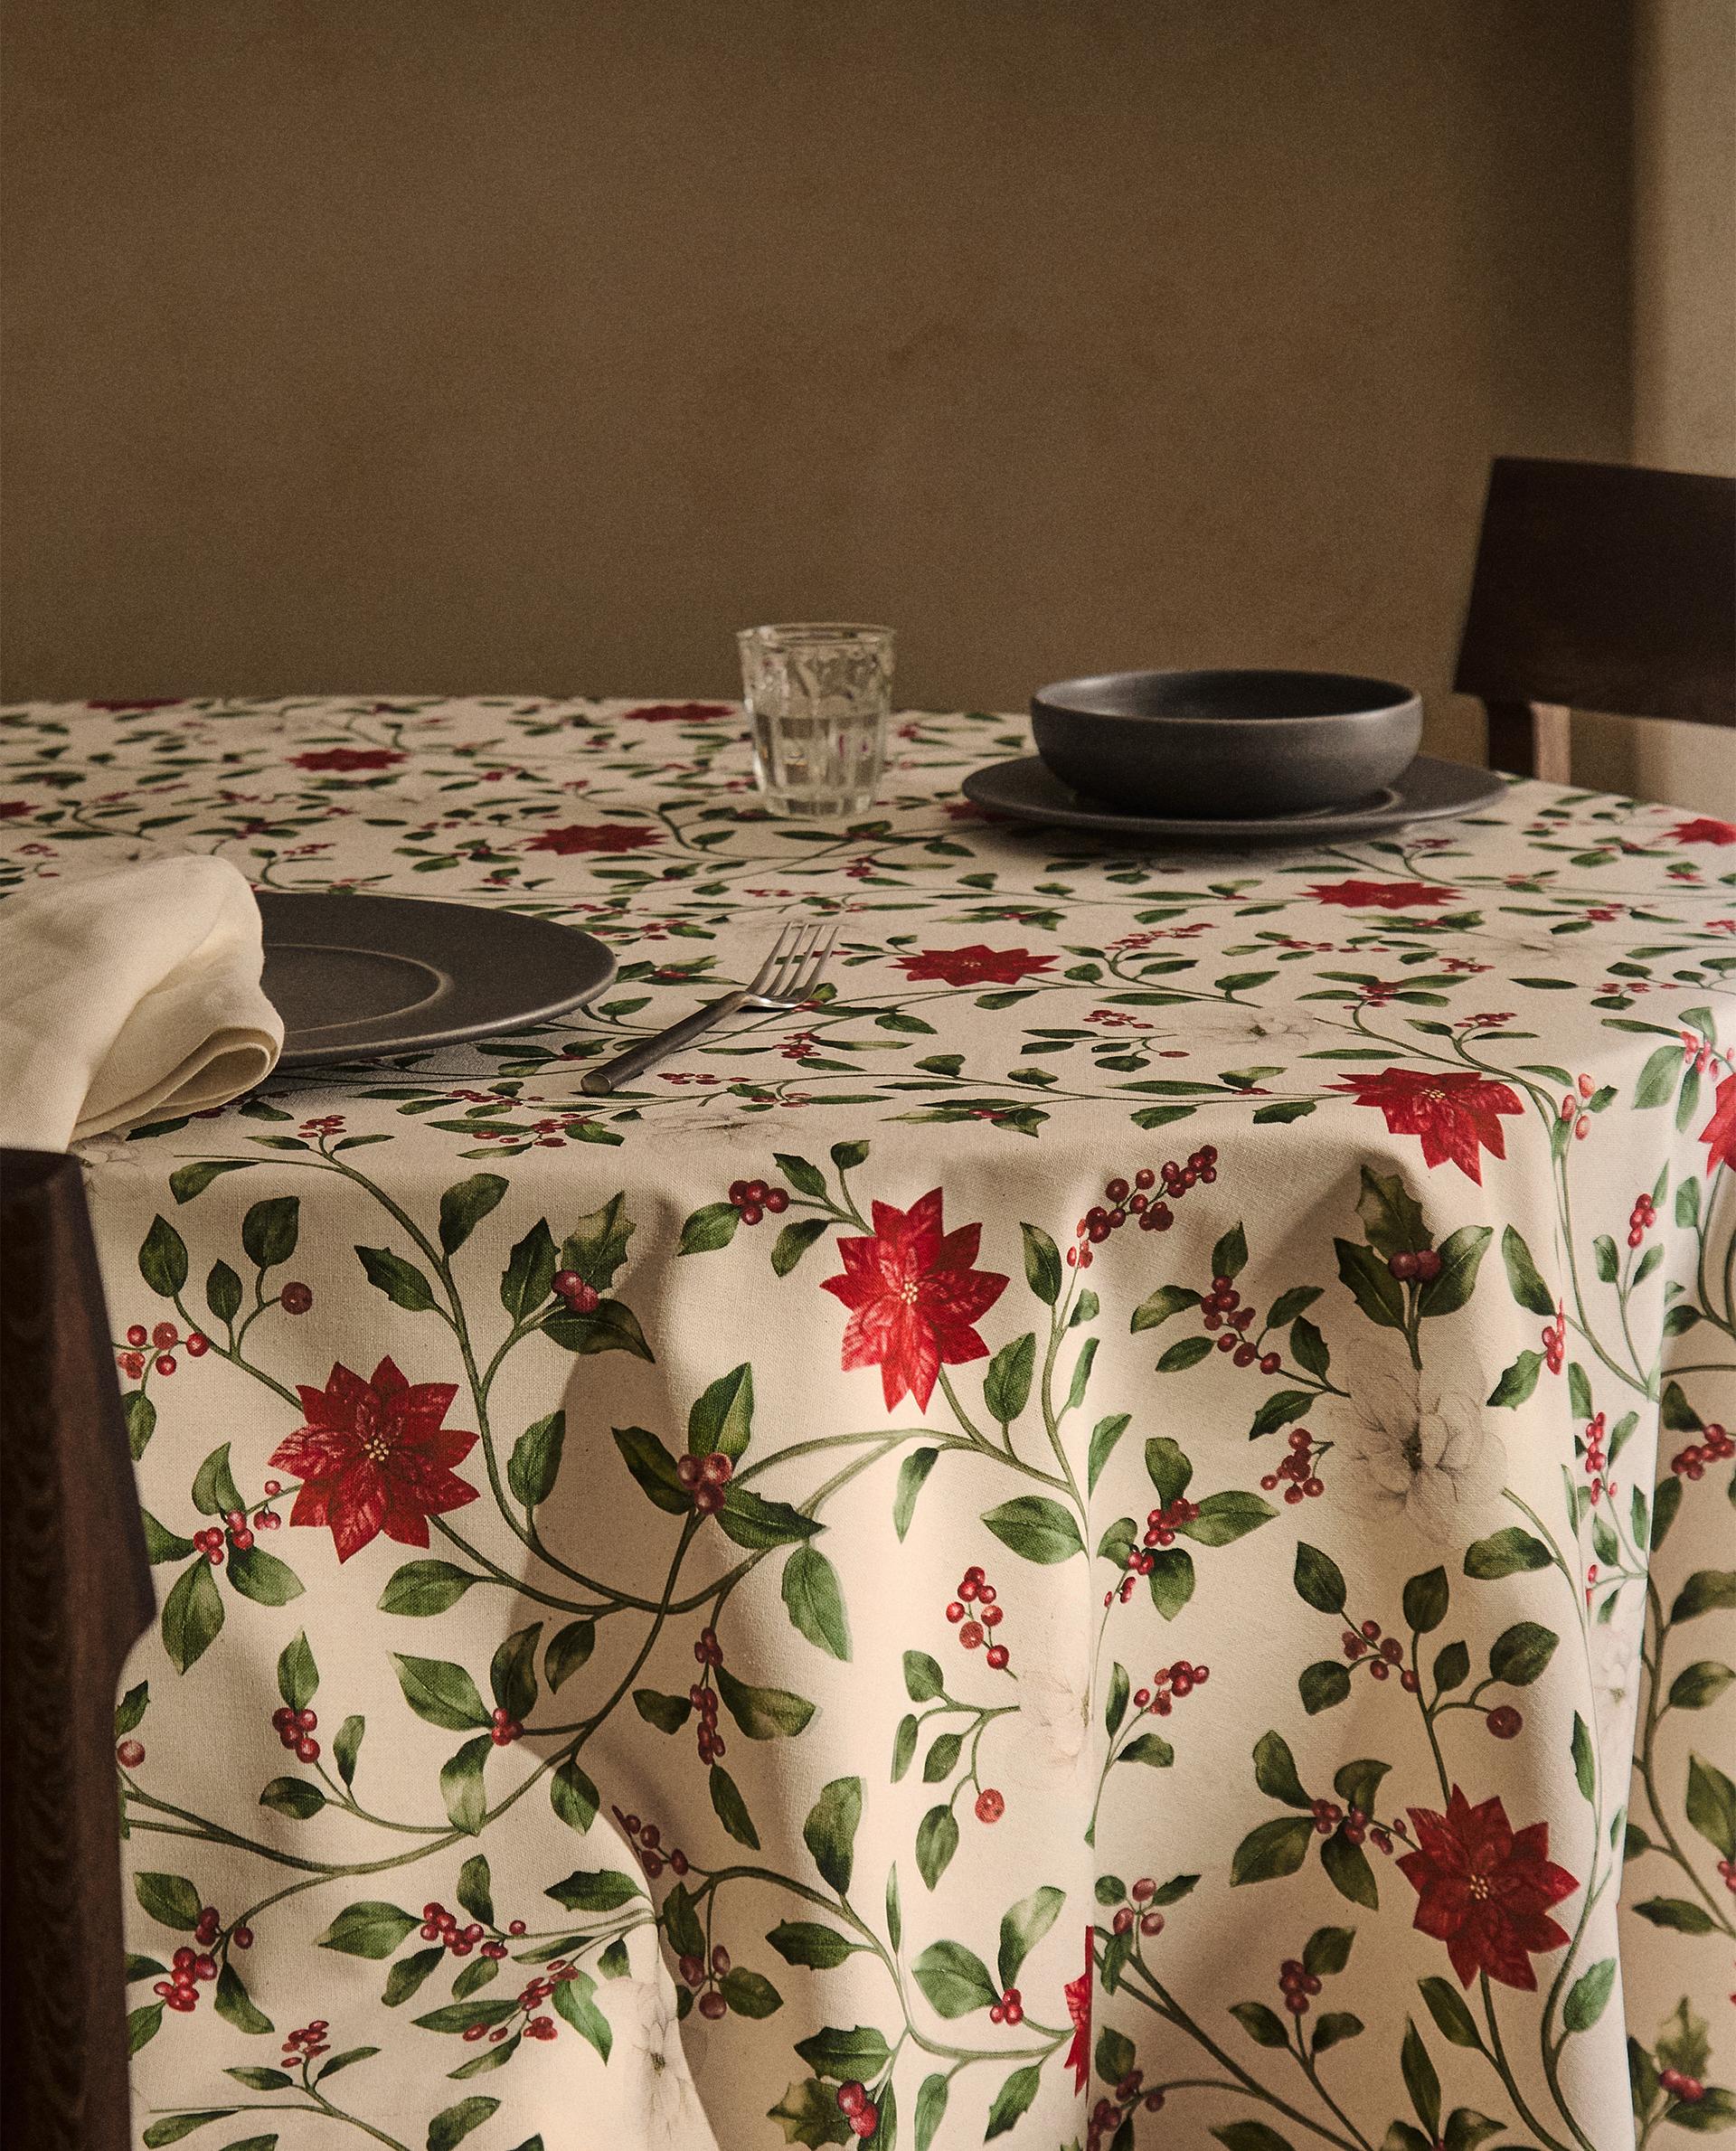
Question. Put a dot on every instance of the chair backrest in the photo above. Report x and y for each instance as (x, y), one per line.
(75, 1590)
(1603, 587)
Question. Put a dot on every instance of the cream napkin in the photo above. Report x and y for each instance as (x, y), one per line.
(130, 996)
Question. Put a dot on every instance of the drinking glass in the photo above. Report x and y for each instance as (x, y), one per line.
(818, 693)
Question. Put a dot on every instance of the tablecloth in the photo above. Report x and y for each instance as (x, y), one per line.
(1054, 1545)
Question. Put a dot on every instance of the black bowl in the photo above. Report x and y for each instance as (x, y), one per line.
(1227, 742)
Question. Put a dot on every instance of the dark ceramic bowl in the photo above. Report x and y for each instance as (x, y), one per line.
(1227, 742)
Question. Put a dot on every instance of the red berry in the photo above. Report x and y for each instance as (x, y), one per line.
(166, 1363)
(991, 1805)
(738, 1192)
(1503, 1722)
(851, 2098)
(1428, 1265)
(1403, 1265)
(243, 1938)
(295, 1299)
(165, 1335)
(866, 2121)
(129, 1754)
(778, 1201)
(137, 1334)
(306, 1749)
(712, 2004)
(997, 1655)
(198, 1345)
(750, 1215)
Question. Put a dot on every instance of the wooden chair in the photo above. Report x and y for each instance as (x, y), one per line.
(1599, 586)
(75, 1591)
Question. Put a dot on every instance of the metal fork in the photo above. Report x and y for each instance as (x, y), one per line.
(785, 980)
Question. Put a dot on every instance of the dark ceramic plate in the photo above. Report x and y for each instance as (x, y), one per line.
(1174, 743)
(358, 978)
(1027, 790)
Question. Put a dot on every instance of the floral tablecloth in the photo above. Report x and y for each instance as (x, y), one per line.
(1055, 1545)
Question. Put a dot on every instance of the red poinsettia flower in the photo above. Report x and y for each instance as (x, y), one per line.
(974, 966)
(599, 836)
(1704, 829)
(1484, 1888)
(374, 1456)
(913, 1298)
(1719, 1133)
(679, 713)
(346, 758)
(1455, 1112)
(1381, 896)
(1079, 2014)
(10, 809)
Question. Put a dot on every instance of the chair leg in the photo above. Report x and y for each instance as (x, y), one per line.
(1531, 739)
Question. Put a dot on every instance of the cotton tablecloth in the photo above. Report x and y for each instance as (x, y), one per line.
(1053, 1545)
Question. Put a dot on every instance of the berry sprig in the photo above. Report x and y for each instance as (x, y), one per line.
(1296, 1984)
(581, 1298)
(1107, 2115)
(858, 2109)
(1222, 1311)
(1383, 1656)
(1124, 1202)
(439, 1925)
(646, 1839)
(1554, 1340)
(705, 1478)
(1713, 1446)
(306, 2044)
(295, 1728)
(1297, 1473)
(188, 1969)
(1595, 1458)
(703, 1695)
(1641, 1219)
(1139, 1909)
(753, 1199)
(1572, 1109)
(157, 1346)
(704, 1976)
(975, 1630)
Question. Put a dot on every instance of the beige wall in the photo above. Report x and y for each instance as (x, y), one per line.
(533, 344)
(1685, 339)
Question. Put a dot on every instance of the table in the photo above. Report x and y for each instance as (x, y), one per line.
(1063, 1531)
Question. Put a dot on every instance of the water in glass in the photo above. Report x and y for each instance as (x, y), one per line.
(818, 694)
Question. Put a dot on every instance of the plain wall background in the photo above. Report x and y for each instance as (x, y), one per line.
(425, 344)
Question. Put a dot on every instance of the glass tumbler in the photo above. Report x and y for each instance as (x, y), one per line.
(818, 693)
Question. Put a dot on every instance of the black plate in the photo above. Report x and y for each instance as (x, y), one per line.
(1027, 791)
(357, 978)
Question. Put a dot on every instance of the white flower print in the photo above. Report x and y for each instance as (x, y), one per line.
(1415, 1449)
(657, 2086)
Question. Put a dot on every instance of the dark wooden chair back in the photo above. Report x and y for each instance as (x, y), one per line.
(1599, 586)
(75, 1591)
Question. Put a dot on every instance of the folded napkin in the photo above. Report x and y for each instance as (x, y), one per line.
(127, 997)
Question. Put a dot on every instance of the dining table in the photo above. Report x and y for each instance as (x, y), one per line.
(1116, 1532)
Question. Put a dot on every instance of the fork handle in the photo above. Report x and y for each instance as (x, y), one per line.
(600, 1083)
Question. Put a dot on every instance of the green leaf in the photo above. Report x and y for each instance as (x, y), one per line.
(1588, 1995)
(402, 1282)
(161, 1544)
(1319, 1581)
(131, 1708)
(1519, 1653)
(1328, 1950)
(1279, 1410)
(1225, 1517)
(188, 1181)
(297, 1798)
(1188, 1351)
(425, 1587)
(1348, 1870)
(1147, 1748)
(1023, 1927)
(1229, 1254)
(1042, 1264)
(653, 1468)
(1168, 1467)
(1699, 1684)
(271, 1229)
(369, 1929)
(173, 2126)
(830, 1831)
(1707, 1590)
(1452, 1667)
(574, 1797)
(1261, 2025)
(808, 2113)
(1322, 1685)
(1309, 1347)
(1171, 1580)
(450, 2127)
(955, 1979)
(512, 1673)
(912, 1474)
(1425, 1600)
(461, 1786)
(760, 1524)
(923, 1679)
(1524, 1278)
(1249, 2136)
(1372, 1285)
(1420, 2081)
(1006, 1386)
(858, 2055)
(163, 1260)
(262, 1577)
(171, 1900)
(1585, 1764)
(814, 1599)
(596, 1247)
(1335, 2026)
(1657, 1079)
(936, 1840)
(1274, 1771)
(526, 1282)
(215, 1491)
(143, 2025)
(668, 1713)
(815, 1947)
(140, 1416)
(1115, 1708)
(1104, 1436)
(1273, 1849)
(1712, 1806)
(794, 1241)
(1518, 1380)
(610, 1326)
(1675, 1912)
(346, 1745)
(1159, 1305)
(223, 1292)
(193, 1614)
(1390, 1216)
(1036, 1528)
(464, 1206)
(1461, 1256)
(604, 1890)
(536, 1461)
(721, 1418)
(441, 1692)
(762, 1713)
(731, 1810)
(749, 1993)
(1452, 2018)
(939, 1762)
(930, 2110)
(1013, 2099)
(707, 1229)
(234, 2004)
(1507, 1553)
